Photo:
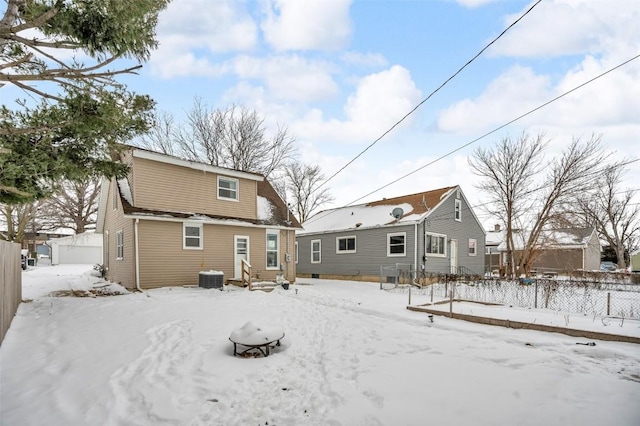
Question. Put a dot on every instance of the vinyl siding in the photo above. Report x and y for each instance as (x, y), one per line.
(371, 252)
(155, 185)
(371, 246)
(164, 262)
(441, 221)
(119, 271)
(592, 255)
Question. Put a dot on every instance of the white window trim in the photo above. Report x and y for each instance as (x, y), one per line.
(237, 199)
(338, 251)
(458, 209)
(475, 247)
(296, 253)
(444, 244)
(184, 235)
(119, 245)
(396, 234)
(319, 251)
(266, 251)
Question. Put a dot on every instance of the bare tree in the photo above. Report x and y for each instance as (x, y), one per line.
(74, 206)
(299, 187)
(161, 137)
(234, 137)
(508, 171)
(523, 192)
(19, 219)
(610, 210)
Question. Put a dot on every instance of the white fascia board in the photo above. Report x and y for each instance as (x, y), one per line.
(229, 222)
(162, 158)
(102, 204)
(362, 228)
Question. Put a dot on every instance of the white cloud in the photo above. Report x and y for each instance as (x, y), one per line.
(188, 31)
(364, 59)
(289, 77)
(566, 27)
(307, 25)
(515, 92)
(379, 101)
(474, 3)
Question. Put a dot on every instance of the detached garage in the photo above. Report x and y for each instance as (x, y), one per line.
(80, 248)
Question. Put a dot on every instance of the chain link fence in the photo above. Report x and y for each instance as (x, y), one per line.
(616, 296)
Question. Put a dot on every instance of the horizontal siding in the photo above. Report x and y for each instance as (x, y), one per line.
(161, 186)
(164, 262)
(442, 221)
(119, 271)
(371, 246)
(371, 252)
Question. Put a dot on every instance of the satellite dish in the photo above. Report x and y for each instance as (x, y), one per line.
(397, 212)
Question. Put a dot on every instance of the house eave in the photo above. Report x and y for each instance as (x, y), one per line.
(162, 158)
(208, 221)
(362, 228)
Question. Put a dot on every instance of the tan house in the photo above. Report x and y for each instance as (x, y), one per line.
(170, 219)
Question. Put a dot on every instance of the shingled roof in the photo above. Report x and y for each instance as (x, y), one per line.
(414, 207)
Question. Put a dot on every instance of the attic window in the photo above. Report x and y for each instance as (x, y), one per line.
(458, 210)
(227, 188)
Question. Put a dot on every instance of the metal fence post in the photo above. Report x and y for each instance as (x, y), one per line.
(608, 303)
(535, 299)
(451, 303)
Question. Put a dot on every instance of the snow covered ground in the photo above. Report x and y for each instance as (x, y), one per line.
(351, 355)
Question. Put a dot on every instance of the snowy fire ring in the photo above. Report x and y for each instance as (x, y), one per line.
(255, 339)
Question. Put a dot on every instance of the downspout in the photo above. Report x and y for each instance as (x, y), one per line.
(415, 248)
(135, 242)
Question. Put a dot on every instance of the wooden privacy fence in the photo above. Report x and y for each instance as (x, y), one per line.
(10, 284)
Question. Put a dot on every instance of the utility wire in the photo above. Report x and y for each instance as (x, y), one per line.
(428, 97)
(500, 128)
(495, 130)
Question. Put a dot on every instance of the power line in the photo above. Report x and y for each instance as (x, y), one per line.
(428, 97)
(500, 128)
(497, 129)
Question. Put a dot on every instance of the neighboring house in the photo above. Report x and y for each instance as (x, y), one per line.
(560, 250)
(85, 248)
(437, 231)
(634, 261)
(492, 241)
(171, 218)
(35, 243)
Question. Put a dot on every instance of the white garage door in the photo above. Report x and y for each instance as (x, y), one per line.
(79, 254)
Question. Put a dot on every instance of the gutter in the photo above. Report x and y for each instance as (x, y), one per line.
(137, 262)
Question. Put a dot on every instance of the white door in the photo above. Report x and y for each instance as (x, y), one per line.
(241, 251)
(453, 248)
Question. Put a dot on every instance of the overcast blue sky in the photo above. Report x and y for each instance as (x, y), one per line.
(339, 73)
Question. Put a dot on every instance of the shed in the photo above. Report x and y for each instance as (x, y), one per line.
(83, 248)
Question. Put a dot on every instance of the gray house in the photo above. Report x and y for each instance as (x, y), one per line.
(437, 231)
